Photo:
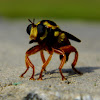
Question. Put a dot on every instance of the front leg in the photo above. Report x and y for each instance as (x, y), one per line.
(31, 51)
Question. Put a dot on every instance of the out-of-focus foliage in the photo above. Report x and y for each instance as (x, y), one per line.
(63, 9)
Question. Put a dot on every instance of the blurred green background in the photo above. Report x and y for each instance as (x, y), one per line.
(58, 9)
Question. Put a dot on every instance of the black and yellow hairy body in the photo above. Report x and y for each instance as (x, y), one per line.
(52, 39)
(48, 34)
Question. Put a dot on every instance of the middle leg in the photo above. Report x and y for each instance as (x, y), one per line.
(45, 64)
(61, 52)
(43, 58)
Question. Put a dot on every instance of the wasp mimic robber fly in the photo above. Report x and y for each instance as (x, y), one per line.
(52, 39)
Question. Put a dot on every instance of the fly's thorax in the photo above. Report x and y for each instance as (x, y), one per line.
(48, 25)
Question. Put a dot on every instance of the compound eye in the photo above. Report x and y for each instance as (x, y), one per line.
(41, 30)
(28, 30)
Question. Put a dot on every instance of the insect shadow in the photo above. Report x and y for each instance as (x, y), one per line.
(83, 69)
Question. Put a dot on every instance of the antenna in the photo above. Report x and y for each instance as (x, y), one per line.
(32, 22)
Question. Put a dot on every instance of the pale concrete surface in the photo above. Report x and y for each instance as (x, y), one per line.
(13, 45)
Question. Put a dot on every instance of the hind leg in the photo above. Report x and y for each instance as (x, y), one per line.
(68, 49)
(67, 56)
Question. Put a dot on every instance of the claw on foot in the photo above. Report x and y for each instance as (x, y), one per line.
(21, 76)
(63, 78)
(39, 79)
(80, 73)
(32, 78)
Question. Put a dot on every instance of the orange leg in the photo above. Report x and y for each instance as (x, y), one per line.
(25, 70)
(43, 58)
(70, 49)
(61, 52)
(45, 64)
(31, 51)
